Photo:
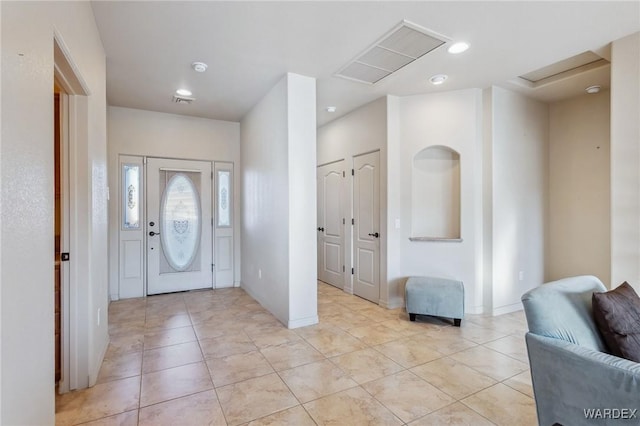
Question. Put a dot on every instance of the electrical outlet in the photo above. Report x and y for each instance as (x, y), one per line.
(521, 275)
(260, 273)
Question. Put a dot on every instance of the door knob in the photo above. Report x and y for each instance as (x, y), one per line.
(375, 234)
(151, 233)
(151, 223)
(321, 229)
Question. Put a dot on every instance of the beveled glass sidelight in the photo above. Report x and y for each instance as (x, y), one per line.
(131, 196)
(224, 194)
(180, 221)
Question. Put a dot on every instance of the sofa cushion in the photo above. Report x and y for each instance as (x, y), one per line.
(617, 313)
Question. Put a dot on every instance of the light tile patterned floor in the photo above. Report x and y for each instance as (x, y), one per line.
(218, 358)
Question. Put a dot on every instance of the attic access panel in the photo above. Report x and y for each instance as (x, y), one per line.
(574, 64)
(399, 47)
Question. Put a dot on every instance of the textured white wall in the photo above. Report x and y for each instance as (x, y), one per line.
(279, 201)
(362, 130)
(625, 161)
(265, 202)
(449, 119)
(579, 188)
(27, 248)
(520, 195)
(138, 132)
(303, 274)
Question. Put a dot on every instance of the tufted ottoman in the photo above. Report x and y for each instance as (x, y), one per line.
(439, 297)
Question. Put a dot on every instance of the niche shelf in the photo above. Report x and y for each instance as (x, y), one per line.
(435, 195)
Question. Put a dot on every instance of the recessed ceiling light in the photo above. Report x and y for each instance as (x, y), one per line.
(199, 66)
(183, 92)
(592, 89)
(438, 79)
(331, 109)
(458, 47)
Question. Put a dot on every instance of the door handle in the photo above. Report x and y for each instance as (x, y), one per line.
(321, 229)
(375, 234)
(151, 233)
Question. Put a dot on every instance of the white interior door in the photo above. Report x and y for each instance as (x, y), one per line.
(179, 225)
(366, 211)
(331, 223)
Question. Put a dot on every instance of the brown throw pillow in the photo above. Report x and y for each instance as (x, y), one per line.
(617, 313)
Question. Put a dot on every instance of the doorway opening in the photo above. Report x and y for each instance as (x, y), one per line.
(70, 131)
(61, 231)
(57, 148)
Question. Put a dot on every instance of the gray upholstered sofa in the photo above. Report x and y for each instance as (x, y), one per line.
(573, 376)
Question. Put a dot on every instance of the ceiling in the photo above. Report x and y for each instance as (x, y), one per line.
(249, 46)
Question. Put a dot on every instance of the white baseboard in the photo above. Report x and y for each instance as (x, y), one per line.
(474, 310)
(392, 304)
(93, 375)
(303, 322)
(507, 309)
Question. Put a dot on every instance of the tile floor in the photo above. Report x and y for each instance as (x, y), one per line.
(218, 358)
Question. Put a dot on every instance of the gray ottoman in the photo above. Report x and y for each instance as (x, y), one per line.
(439, 297)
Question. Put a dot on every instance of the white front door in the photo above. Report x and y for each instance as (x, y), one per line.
(331, 224)
(366, 232)
(179, 225)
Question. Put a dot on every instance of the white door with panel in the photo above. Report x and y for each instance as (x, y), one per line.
(330, 180)
(366, 230)
(179, 225)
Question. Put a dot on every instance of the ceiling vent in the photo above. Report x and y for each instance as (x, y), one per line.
(565, 68)
(399, 47)
(182, 99)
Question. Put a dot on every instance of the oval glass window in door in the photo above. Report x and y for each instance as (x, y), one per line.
(180, 222)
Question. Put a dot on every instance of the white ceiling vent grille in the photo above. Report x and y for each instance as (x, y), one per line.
(399, 47)
(570, 66)
(182, 99)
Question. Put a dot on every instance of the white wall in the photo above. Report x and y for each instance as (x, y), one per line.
(579, 188)
(265, 200)
(147, 133)
(278, 199)
(487, 199)
(27, 199)
(303, 295)
(519, 161)
(625, 161)
(1, 233)
(361, 131)
(451, 119)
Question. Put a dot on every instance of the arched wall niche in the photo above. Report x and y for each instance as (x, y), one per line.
(435, 194)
